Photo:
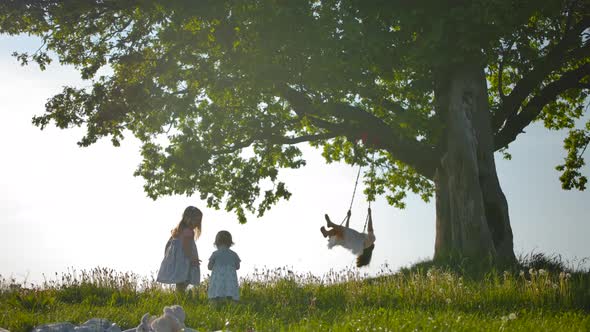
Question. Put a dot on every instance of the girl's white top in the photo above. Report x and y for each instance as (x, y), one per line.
(352, 240)
(223, 283)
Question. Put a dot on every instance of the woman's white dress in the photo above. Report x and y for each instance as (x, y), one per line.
(223, 283)
(176, 266)
(352, 240)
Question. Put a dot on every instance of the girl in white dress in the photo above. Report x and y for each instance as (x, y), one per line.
(360, 244)
(223, 264)
(181, 261)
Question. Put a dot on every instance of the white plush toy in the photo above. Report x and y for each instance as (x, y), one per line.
(171, 321)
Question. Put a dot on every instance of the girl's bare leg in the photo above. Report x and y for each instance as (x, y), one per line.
(181, 287)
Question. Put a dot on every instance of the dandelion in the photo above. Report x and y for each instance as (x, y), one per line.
(512, 316)
(450, 277)
(448, 300)
(542, 272)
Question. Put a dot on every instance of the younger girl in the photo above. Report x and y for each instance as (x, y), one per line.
(181, 262)
(224, 262)
(360, 244)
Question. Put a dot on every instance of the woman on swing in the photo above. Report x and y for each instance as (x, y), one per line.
(361, 244)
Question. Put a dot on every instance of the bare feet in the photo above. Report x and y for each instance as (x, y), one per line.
(324, 231)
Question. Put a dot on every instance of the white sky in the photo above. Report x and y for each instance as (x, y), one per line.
(63, 207)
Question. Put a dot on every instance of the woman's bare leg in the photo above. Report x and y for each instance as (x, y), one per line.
(331, 232)
(329, 222)
(336, 230)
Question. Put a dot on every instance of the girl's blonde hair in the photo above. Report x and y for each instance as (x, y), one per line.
(191, 218)
(223, 238)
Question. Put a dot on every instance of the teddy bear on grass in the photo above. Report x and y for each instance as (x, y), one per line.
(172, 320)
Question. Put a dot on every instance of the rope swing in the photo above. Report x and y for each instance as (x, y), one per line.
(348, 214)
(361, 244)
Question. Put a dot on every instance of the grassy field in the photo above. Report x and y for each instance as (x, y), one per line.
(540, 295)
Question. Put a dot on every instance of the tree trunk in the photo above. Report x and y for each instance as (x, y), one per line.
(471, 210)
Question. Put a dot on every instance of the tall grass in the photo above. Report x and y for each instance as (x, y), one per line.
(425, 297)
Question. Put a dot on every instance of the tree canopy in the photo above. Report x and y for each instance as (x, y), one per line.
(221, 92)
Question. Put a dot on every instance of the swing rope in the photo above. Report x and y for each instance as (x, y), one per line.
(355, 185)
(367, 219)
(353, 194)
(372, 183)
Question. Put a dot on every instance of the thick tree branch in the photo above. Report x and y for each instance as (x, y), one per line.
(552, 61)
(515, 125)
(393, 107)
(355, 123)
(275, 139)
(301, 139)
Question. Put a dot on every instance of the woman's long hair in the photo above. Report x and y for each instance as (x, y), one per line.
(191, 218)
(365, 258)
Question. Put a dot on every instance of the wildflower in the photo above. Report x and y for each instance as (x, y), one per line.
(521, 273)
(532, 272)
(512, 316)
(448, 300)
(542, 272)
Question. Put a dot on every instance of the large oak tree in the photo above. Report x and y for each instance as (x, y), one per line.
(221, 92)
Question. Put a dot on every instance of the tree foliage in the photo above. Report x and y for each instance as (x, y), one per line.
(221, 92)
